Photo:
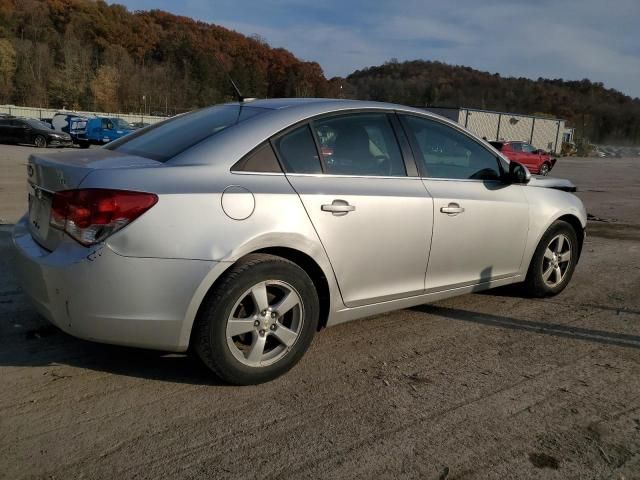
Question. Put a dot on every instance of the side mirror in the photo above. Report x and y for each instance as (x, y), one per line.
(518, 173)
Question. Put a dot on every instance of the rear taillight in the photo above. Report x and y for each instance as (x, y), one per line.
(90, 215)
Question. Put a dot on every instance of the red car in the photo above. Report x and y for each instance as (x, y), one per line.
(537, 161)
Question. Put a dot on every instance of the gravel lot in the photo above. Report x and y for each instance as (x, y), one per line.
(482, 386)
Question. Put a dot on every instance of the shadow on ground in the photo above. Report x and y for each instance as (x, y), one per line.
(543, 328)
(46, 345)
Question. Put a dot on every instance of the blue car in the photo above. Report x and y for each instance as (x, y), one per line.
(102, 130)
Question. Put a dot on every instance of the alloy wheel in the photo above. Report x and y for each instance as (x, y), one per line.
(556, 260)
(265, 323)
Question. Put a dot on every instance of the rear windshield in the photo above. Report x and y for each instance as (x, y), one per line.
(497, 145)
(167, 139)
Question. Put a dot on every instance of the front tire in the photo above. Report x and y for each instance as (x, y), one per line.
(40, 141)
(258, 321)
(553, 262)
(545, 168)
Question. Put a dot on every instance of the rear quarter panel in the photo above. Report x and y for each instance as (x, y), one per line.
(189, 221)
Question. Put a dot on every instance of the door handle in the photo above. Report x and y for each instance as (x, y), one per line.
(338, 207)
(452, 209)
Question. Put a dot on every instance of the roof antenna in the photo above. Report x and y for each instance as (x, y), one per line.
(239, 95)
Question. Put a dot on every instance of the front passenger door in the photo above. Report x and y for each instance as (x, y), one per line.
(480, 223)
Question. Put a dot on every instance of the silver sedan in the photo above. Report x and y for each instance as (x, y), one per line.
(242, 229)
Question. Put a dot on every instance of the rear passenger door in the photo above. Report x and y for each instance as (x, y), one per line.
(20, 131)
(373, 219)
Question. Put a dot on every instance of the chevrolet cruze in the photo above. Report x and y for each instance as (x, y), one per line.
(239, 230)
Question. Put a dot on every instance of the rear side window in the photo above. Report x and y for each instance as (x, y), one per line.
(262, 159)
(298, 152)
(516, 147)
(167, 139)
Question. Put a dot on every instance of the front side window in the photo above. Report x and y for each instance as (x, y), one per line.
(359, 144)
(444, 152)
(164, 140)
(298, 152)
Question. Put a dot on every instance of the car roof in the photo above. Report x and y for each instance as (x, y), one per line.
(327, 104)
(283, 113)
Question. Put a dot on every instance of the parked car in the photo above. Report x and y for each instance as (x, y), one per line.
(137, 125)
(536, 160)
(102, 130)
(31, 131)
(228, 231)
(74, 124)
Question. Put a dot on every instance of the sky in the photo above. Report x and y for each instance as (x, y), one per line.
(569, 39)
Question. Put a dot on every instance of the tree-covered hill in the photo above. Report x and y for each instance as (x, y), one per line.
(607, 115)
(89, 55)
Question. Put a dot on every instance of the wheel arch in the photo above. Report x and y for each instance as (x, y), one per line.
(577, 227)
(315, 272)
(322, 279)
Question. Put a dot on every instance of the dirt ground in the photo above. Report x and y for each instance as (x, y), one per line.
(486, 385)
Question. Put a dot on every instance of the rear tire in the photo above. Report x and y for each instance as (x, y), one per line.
(40, 141)
(553, 262)
(258, 321)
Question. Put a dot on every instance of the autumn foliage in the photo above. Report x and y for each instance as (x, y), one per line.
(598, 113)
(91, 55)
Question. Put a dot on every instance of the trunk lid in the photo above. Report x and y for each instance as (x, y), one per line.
(53, 172)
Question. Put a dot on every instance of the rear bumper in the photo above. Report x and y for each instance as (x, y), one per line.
(98, 295)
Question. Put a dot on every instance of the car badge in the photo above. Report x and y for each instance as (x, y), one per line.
(38, 193)
(61, 178)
